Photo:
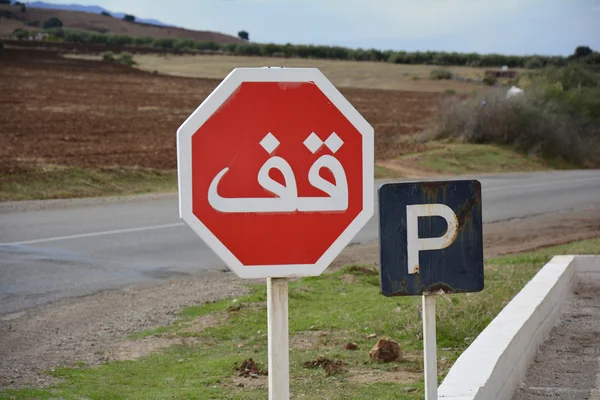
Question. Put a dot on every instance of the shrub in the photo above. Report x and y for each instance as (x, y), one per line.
(570, 77)
(531, 123)
(592, 59)
(211, 46)
(441, 74)
(58, 32)
(143, 41)
(20, 33)
(450, 92)
(248, 49)
(121, 40)
(164, 43)
(53, 23)
(126, 59)
(490, 80)
(129, 18)
(534, 63)
(105, 14)
(108, 56)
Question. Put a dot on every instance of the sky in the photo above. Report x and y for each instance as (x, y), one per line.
(549, 27)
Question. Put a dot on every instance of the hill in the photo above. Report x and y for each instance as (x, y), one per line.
(90, 9)
(12, 18)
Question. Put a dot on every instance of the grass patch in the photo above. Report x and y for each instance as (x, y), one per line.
(325, 313)
(464, 158)
(385, 173)
(58, 182)
(54, 182)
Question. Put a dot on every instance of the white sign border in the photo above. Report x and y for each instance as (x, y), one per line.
(203, 113)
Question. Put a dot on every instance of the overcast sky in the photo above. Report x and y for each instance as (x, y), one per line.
(485, 26)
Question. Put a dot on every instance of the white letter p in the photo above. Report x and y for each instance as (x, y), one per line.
(416, 244)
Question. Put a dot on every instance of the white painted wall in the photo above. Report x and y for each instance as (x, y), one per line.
(496, 362)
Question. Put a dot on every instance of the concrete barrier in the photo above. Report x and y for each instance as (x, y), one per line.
(495, 363)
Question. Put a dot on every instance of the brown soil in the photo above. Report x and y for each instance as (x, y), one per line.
(350, 346)
(408, 168)
(373, 376)
(519, 235)
(87, 113)
(249, 368)
(307, 340)
(331, 367)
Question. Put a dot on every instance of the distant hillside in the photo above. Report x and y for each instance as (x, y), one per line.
(12, 18)
(90, 9)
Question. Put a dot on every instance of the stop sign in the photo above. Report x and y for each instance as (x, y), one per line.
(276, 172)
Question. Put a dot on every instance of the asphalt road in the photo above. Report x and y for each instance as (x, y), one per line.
(58, 249)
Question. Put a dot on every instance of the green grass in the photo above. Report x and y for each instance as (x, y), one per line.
(459, 158)
(343, 306)
(53, 182)
(58, 182)
(385, 173)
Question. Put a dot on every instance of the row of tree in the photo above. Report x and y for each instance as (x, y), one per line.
(316, 52)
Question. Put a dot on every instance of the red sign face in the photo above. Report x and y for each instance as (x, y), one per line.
(277, 175)
(290, 113)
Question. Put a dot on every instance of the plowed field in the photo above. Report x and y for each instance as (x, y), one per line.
(87, 113)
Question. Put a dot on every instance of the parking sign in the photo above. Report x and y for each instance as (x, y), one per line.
(431, 237)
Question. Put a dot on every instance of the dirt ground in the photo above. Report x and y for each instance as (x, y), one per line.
(566, 366)
(93, 329)
(88, 113)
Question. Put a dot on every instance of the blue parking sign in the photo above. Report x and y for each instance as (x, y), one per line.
(431, 238)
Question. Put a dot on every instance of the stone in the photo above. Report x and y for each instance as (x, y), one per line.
(385, 350)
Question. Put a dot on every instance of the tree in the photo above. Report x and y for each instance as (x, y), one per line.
(106, 14)
(20, 33)
(582, 51)
(53, 23)
(5, 1)
(534, 63)
(244, 35)
(129, 18)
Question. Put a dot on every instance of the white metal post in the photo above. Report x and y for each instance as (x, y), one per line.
(429, 347)
(279, 357)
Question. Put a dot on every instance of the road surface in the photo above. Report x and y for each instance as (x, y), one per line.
(60, 249)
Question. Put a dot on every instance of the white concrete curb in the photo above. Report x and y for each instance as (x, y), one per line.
(496, 362)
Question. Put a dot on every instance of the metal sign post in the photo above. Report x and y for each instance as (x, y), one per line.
(279, 349)
(429, 347)
(431, 243)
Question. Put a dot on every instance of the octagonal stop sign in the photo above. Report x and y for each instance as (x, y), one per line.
(276, 172)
